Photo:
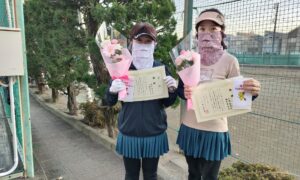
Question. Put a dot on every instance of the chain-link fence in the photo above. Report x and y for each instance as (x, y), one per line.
(258, 31)
(271, 132)
(265, 37)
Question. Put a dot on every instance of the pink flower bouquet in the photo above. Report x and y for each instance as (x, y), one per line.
(188, 68)
(117, 61)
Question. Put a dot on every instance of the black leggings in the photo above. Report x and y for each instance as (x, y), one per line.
(133, 166)
(201, 169)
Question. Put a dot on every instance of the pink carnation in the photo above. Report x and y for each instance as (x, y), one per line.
(185, 60)
(114, 41)
(182, 52)
(112, 49)
(178, 61)
(109, 49)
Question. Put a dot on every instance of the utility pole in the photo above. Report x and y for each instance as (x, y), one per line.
(188, 17)
(275, 24)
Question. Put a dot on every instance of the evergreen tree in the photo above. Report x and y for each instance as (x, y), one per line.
(122, 15)
(60, 40)
(35, 13)
(64, 52)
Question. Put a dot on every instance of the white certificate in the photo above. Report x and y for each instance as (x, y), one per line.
(241, 99)
(147, 84)
(214, 100)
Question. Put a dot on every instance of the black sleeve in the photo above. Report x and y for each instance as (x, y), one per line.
(110, 98)
(180, 89)
(172, 96)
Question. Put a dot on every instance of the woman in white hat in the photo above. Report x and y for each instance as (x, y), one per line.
(206, 144)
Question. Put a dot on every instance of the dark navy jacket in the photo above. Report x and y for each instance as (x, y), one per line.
(142, 118)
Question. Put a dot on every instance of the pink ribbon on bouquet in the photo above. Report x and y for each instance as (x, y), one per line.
(125, 79)
(118, 70)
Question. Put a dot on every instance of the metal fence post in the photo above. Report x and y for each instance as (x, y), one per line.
(24, 95)
(187, 27)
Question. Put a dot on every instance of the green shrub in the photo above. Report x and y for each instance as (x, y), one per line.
(100, 91)
(92, 115)
(243, 171)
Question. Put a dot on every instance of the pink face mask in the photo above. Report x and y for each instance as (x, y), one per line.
(210, 47)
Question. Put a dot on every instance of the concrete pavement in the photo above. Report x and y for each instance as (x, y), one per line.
(62, 152)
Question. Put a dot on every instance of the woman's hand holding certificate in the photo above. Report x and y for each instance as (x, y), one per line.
(221, 98)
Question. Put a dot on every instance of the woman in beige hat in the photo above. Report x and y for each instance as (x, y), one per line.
(207, 143)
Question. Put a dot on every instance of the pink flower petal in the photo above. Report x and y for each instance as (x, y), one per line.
(182, 52)
(114, 41)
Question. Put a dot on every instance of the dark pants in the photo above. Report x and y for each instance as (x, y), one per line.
(201, 169)
(133, 166)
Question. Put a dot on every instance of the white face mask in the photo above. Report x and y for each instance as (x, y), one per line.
(142, 55)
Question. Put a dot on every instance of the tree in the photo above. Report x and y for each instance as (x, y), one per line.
(122, 15)
(98, 82)
(61, 43)
(34, 14)
(67, 40)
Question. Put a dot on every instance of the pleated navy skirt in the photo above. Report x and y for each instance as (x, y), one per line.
(212, 146)
(142, 147)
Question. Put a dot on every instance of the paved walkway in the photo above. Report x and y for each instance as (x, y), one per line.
(62, 152)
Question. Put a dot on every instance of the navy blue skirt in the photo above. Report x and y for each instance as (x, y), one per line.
(142, 147)
(212, 146)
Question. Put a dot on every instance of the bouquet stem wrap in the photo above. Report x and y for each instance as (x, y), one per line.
(191, 75)
(125, 79)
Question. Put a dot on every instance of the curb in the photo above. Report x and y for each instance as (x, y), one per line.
(170, 166)
(75, 122)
